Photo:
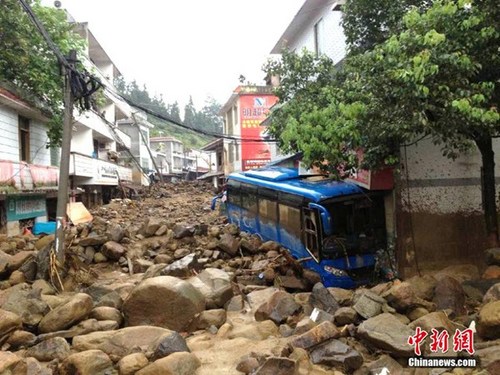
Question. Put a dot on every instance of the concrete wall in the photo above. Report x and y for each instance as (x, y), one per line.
(440, 215)
(9, 134)
(9, 138)
(333, 43)
(82, 141)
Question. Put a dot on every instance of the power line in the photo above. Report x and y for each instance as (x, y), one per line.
(180, 124)
(80, 87)
(83, 85)
(62, 60)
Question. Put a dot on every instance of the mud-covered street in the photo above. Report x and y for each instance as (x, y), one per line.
(163, 285)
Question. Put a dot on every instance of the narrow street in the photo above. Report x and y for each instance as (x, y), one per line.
(163, 285)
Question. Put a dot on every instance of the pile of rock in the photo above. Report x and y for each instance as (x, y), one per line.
(171, 288)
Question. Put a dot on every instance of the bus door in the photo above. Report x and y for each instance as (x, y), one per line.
(312, 231)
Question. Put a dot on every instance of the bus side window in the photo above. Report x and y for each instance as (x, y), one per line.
(290, 219)
(233, 193)
(268, 210)
(312, 232)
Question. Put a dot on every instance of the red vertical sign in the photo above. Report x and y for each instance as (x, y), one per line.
(253, 110)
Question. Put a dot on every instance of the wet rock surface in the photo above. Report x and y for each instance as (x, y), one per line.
(162, 285)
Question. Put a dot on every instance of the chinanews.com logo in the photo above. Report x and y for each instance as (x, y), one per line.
(439, 343)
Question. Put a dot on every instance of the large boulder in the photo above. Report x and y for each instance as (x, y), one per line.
(336, 353)
(277, 366)
(460, 272)
(163, 301)
(278, 308)
(437, 320)
(113, 250)
(493, 294)
(215, 285)
(423, 286)
(369, 304)
(403, 298)
(488, 324)
(315, 336)
(181, 363)
(90, 362)
(47, 350)
(8, 362)
(449, 294)
(386, 332)
(66, 315)
(122, 342)
(9, 322)
(132, 363)
(322, 299)
(26, 303)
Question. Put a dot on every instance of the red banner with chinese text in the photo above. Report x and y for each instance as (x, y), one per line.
(253, 110)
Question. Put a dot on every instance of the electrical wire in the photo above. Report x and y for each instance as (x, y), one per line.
(118, 140)
(180, 124)
(84, 84)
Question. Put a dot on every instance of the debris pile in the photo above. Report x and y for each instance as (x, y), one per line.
(163, 285)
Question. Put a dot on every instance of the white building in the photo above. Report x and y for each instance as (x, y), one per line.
(28, 169)
(96, 139)
(316, 27)
(138, 157)
(173, 149)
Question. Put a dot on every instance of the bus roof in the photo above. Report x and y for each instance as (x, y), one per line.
(288, 180)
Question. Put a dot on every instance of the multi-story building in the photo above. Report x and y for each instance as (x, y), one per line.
(316, 27)
(28, 168)
(246, 147)
(173, 149)
(96, 140)
(138, 156)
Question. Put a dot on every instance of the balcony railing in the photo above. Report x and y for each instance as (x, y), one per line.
(22, 176)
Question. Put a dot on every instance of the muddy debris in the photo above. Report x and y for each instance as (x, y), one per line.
(162, 284)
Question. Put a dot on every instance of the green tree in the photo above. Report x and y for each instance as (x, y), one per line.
(190, 114)
(27, 61)
(437, 76)
(367, 23)
(208, 118)
(174, 111)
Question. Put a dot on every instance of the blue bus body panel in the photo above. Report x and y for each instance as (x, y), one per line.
(287, 181)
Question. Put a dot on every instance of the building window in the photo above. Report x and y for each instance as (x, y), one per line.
(318, 37)
(24, 139)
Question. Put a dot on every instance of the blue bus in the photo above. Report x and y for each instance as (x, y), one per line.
(332, 227)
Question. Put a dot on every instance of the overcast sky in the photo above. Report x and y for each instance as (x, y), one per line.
(187, 47)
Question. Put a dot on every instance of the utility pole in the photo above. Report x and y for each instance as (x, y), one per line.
(62, 194)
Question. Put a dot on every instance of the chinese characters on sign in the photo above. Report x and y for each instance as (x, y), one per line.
(439, 341)
(253, 110)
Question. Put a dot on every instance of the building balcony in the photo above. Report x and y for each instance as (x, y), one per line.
(102, 130)
(25, 177)
(91, 171)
